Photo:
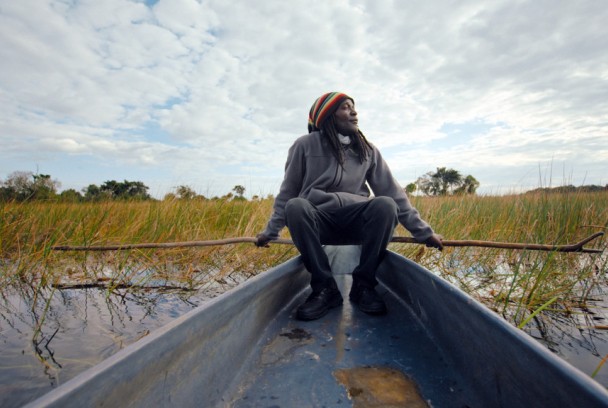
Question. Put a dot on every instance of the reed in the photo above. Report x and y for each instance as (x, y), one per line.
(514, 283)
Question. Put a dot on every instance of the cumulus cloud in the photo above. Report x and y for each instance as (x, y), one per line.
(196, 88)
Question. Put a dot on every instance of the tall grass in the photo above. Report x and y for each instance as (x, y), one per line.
(514, 283)
(29, 230)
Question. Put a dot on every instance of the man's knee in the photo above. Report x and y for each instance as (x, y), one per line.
(384, 205)
(296, 207)
(383, 211)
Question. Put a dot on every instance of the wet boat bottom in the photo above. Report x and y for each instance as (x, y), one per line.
(380, 387)
(350, 358)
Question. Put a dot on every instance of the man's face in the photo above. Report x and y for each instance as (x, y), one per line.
(346, 118)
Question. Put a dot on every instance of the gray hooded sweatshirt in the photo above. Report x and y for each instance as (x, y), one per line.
(312, 172)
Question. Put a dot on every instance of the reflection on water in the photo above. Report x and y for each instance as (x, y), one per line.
(579, 336)
(578, 333)
(49, 336)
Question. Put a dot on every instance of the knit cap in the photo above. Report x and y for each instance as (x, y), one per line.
(323, 108)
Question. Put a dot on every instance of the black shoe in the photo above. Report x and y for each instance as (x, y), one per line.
(367, 299)
(319, 303)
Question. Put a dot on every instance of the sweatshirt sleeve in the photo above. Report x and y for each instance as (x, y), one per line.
(290, 187)
(383, 183)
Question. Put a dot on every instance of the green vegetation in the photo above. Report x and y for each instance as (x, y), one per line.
(444, 182)
(28, 231)
(21, 186)
(513, 283)
(516, 283)
(26, 186)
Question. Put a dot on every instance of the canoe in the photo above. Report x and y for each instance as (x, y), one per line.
(436, 347)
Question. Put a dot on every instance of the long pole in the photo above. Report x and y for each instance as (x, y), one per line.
(577, 247)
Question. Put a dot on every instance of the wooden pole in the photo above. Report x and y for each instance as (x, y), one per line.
(577, 247)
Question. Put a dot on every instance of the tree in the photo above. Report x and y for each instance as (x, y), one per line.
(114, 190)
(446, 181)
(25, 185)
(428, 184)
(185, 193)
(5, 194)
(239, 190)
(17, 186)
(469, 186)
(43, 187)
(125, 190)
(92, 193)
(411, 188)
(70, 195)
(137, 190)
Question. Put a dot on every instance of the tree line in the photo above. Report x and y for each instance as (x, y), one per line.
(23, 186)
(443, 182)
(26, 186)
(569, 189)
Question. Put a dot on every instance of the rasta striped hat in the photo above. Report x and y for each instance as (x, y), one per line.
(323, 108)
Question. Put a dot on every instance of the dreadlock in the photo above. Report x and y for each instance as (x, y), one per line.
(359, 142)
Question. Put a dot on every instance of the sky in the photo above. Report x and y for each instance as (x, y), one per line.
(211, 94)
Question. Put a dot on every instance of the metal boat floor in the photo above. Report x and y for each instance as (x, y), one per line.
(351, 358)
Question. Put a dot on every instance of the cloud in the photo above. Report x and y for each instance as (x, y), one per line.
(198, 87)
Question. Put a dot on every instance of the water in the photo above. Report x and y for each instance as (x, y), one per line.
(579, 337)
(50, 336)
(81, 327)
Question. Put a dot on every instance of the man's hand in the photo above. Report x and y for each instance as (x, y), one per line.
(262, 241)
(434, 241)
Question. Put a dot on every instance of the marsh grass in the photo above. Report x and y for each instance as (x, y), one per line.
(513, 283)
(516, 283)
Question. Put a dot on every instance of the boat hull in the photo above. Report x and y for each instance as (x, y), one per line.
(244, 348)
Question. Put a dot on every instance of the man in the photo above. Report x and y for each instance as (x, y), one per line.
(324, 199)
